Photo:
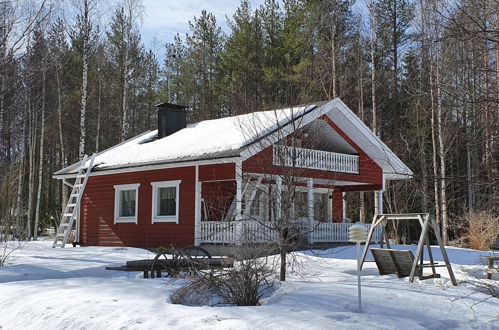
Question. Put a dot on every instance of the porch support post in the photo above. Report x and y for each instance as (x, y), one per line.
(380, 201)
(380, 196)
(343, 206)
(279, 198)
(197, 209)
(310, 208)
(239, 197)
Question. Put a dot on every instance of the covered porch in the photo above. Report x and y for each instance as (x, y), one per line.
(245, 209)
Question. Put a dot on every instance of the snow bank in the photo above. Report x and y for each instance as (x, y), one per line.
(69, 288)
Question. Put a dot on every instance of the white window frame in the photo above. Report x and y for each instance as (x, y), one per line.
(117, 190)
(154, 212)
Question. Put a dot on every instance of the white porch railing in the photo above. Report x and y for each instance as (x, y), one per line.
(315, 159)
(219, 232)
(337, 232)
(256, 232)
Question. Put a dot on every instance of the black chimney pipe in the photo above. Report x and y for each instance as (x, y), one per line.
(171, 118)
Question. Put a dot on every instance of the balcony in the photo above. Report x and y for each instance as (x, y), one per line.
(315, 159)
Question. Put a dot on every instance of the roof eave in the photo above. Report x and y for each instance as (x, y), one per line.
(153, 165)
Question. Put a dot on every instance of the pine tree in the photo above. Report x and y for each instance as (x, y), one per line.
(242, 61)
(204, 46)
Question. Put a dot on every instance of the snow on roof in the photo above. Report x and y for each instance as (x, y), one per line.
(215, 138)
(228, 137)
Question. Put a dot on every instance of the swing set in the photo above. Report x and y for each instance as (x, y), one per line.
(402, 262)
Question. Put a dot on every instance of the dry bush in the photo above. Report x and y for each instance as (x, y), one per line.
(482, 230)
(6, 249)
(245, 284)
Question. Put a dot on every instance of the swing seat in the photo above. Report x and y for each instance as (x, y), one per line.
(390, 261)
(399, 262)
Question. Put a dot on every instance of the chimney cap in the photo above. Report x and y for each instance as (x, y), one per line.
(171, 106)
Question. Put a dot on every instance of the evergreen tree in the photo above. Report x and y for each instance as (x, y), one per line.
(242, 61)
(204, 46)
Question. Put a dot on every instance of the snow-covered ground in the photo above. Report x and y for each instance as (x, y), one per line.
(45, 288)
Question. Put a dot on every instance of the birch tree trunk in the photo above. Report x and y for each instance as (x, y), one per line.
(434, 144)
(84, 84)
(19, 206)
(333, 64)
(442, 153)
(126, 68)
(40, 166)
(99, 98)
(64, 195)
(32, 166)
(362, 208)
(373, 91)
(488, 126)
(125, 130)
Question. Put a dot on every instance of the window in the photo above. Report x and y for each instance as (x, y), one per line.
(259, 206)
(322, 207)
(165, 201)
(126, 202)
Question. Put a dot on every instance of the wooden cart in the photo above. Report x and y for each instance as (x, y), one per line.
(172, 262)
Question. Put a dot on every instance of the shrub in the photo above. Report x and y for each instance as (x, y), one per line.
(482, 230)
(245, 284)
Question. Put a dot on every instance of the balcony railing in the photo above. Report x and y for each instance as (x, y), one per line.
(315, 159)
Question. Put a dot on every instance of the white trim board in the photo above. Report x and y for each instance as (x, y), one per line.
(117, 190)
(155, 218)
(153, 167)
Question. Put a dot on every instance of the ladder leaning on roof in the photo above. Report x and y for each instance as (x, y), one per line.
(72, 207)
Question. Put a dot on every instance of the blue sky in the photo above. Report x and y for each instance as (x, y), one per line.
(162, 19)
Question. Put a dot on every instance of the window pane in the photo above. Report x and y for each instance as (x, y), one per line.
(301, 205)
(255, 206)
(127, 203)
(167, 204)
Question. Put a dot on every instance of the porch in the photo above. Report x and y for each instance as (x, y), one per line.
(303, 187)
(252, 231)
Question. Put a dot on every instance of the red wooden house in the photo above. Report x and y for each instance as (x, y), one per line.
(183, 184)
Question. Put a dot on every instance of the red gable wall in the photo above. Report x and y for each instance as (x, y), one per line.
(369, 171)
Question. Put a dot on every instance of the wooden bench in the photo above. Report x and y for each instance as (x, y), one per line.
(399, 262)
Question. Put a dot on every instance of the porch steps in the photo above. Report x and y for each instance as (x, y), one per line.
(71, 210)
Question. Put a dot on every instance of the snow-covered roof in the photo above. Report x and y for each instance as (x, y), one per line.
(234, 136)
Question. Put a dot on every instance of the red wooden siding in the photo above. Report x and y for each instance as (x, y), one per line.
(215, 172)
(217, 196)
(97, 211)
(337, 206)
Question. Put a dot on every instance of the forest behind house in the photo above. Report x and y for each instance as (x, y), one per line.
(76, 78)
